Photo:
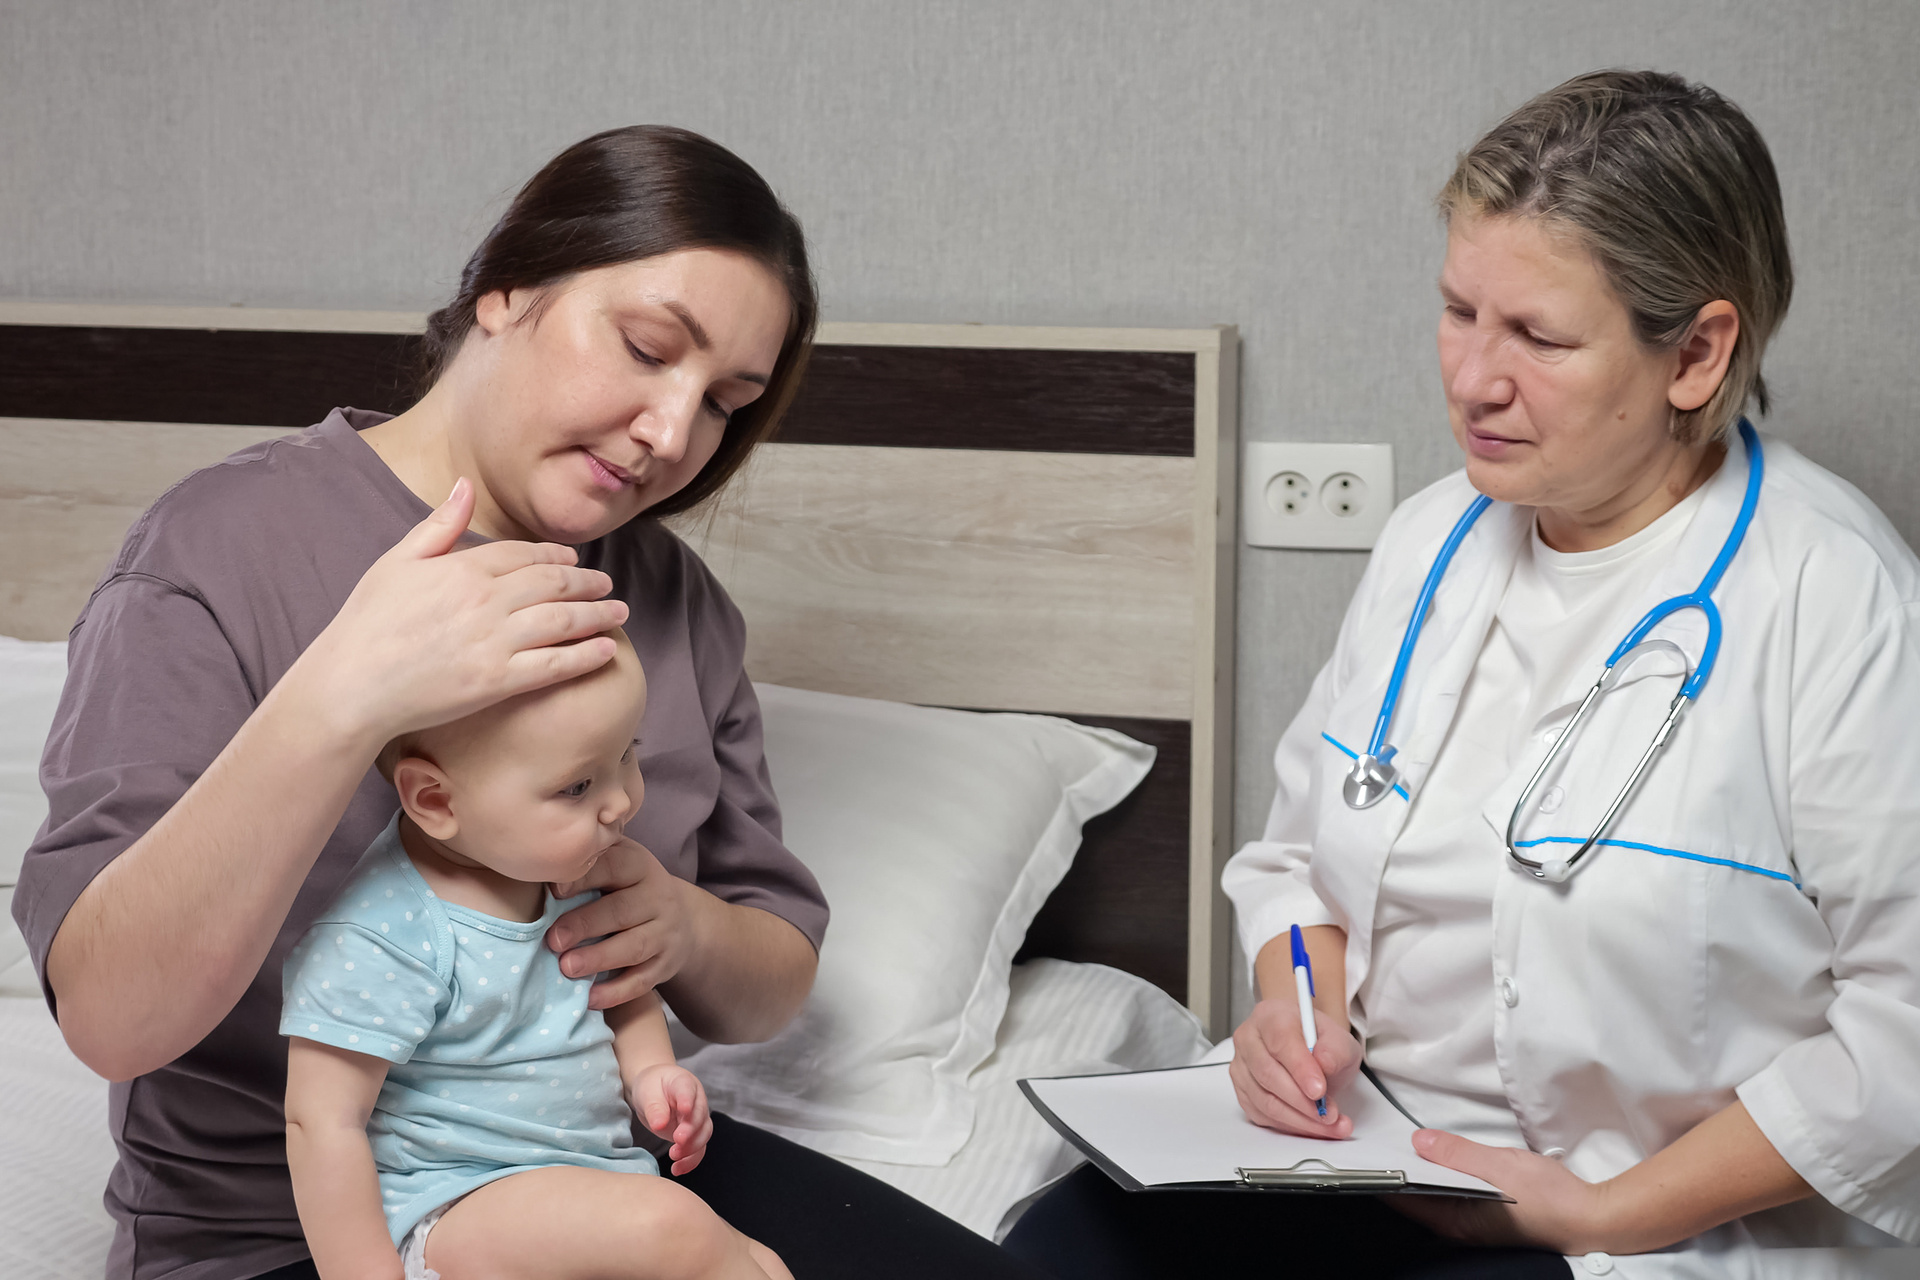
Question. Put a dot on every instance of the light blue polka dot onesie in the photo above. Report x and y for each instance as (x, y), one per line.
(498, 1064)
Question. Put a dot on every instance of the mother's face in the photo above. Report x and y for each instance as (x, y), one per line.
(1555, 401)
(609, 392)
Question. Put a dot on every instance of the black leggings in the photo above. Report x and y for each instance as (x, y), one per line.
(1087, 1228)
(826, 1220)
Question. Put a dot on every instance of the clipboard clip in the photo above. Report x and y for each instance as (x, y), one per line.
(1326, 1178)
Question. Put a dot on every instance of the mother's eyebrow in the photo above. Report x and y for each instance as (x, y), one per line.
(694, 328)
(698, 333)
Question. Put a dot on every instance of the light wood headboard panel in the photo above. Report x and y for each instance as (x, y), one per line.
(966, 578)
(992, 517)
(70, 489)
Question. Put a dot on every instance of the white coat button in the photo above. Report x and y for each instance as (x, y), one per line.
(1555, 1153)
(1509, 992)
(1550, 802)
(1550, 736)
(1597, 1264)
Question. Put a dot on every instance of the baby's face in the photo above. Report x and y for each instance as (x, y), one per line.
(542, 791)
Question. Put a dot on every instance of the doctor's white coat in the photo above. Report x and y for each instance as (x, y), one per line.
(1752, 927)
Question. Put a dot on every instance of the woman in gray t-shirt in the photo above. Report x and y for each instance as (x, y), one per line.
(632, 327)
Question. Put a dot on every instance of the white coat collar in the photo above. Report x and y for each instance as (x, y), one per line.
(1450, 643)
(1464, 606)
(1694, 553)
(1680, 574)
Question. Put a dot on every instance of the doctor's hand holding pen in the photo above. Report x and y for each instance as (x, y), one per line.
(1722, 1168)
(1279, 1078)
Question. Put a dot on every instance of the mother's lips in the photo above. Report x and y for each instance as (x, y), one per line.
(618, 473)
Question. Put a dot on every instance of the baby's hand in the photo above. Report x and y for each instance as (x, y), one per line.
(671, 1102)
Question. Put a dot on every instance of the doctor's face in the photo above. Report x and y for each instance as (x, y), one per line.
(1554, 400)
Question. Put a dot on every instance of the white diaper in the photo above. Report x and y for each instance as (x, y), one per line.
(413, 1250)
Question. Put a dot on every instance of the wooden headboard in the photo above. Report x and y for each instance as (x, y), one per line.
(1031, 519)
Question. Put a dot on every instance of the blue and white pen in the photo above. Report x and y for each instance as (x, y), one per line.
(1303, 987)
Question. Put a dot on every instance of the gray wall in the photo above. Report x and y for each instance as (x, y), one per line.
(1270, 165)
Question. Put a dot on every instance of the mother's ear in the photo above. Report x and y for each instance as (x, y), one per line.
(427, 796)
(496, 312)
(1701, 359)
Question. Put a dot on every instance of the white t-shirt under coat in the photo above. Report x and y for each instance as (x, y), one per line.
(1428, 999)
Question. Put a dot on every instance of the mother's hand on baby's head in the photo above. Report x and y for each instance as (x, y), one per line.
(644, 920)
(430, 634)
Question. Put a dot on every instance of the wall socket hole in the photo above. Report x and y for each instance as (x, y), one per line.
(1315, 495)
(1344, 494)
(1289, 493)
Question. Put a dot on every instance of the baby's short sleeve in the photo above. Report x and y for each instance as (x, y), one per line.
(352, 987)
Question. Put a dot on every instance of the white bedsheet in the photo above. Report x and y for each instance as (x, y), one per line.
(54, 1148)
(1062, 1018)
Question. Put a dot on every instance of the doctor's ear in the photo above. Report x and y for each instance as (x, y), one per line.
(427, 795)
(1702, 357)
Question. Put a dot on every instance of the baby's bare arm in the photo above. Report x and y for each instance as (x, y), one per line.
(667, 1098)
(330, 1094)
(640, 1038)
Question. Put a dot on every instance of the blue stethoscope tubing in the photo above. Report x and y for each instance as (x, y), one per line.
(1373, 774)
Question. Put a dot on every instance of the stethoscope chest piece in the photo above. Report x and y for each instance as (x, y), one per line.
(1369, 781)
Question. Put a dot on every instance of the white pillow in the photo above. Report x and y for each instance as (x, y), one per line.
(1063, 1019)
(31, 674)
(936, 836)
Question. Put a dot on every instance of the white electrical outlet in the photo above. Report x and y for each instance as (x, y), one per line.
(1315, 495)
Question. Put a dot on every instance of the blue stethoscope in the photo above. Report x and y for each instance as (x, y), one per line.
(1373, 774)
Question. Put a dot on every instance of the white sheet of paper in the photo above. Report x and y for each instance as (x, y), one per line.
(1185, 1125)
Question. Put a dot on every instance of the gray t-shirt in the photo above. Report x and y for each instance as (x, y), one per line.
(218, 588)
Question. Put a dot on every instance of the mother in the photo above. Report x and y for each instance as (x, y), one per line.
(1699, 1043)
(630, 330)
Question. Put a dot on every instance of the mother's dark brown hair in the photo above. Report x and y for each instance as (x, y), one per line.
(634, 193)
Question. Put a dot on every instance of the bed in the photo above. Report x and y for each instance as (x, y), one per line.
(1033, 523)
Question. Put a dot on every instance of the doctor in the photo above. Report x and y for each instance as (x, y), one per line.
(1696, 1050)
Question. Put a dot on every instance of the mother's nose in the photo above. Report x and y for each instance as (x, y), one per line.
(666, 424)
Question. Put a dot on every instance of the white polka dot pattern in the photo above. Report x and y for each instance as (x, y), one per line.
(492, 1004)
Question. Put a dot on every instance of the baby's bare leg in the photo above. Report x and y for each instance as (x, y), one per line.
(586, 1224)
(767, 1260)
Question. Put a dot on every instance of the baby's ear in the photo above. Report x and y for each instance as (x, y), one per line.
(427, 796)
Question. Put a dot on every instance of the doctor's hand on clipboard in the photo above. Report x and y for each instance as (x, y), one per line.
(1551, 1206)
(1277, 1080)
(1721, 1169)
(1276, 1077)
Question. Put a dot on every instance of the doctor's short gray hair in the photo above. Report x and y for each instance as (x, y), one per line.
(1672, 190)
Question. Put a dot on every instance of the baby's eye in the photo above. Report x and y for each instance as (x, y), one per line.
(577, 790)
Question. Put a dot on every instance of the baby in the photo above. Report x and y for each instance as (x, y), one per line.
(454, 1109)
